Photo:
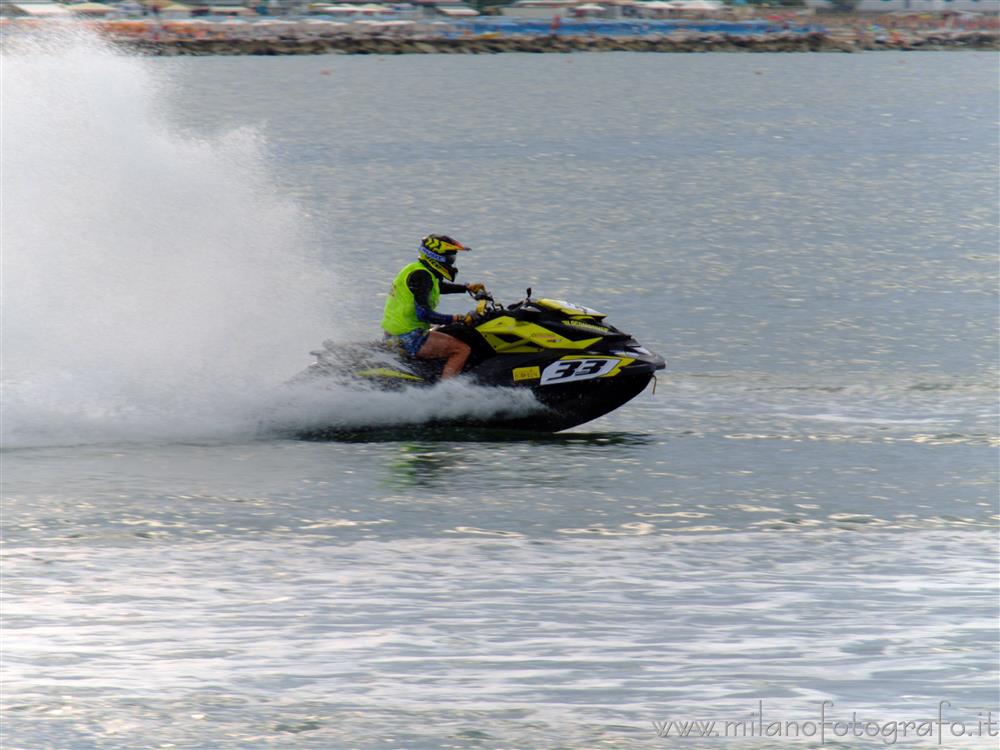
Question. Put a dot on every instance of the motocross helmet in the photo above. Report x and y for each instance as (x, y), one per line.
(438, 252)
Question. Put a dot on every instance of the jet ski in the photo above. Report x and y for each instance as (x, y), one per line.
(576, 364)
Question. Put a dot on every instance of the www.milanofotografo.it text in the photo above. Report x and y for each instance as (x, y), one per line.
(827, 727)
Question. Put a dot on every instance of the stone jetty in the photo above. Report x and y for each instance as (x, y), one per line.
(687, 42)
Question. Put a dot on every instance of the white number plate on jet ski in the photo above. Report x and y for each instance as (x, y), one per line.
(567, 370)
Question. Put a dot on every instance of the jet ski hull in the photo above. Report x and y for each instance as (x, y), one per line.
(574, 404)
(577, 367)
(561, 407)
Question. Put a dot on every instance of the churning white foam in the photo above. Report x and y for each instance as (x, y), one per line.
(156, 284)
(314, 406)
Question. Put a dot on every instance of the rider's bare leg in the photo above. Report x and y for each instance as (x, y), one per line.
(442, 346)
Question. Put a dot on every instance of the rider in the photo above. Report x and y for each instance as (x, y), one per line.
(409, 310)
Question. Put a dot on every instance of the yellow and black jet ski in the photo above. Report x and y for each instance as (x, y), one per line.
(577, 365)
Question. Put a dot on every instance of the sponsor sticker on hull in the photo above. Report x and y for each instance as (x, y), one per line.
(526, 373)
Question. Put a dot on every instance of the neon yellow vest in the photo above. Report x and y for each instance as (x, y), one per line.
(400, 314)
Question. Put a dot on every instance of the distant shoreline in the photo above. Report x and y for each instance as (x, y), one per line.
(830, 41)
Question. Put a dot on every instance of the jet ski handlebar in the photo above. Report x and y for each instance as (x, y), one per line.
(487, 304)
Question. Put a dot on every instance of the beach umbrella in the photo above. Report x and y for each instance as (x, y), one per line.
(175, 10)
(696, 5)
(44, 10)
(91, 9)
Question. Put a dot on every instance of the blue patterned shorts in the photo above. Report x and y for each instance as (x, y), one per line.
(411, 341)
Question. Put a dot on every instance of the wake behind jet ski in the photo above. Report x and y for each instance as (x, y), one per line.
(577, 365)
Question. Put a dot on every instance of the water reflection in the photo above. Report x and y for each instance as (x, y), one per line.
(492, 459)
(419, 465)
(432, 434)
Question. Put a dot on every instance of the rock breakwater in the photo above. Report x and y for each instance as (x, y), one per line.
(480, 45)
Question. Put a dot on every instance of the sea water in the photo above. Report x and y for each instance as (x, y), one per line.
(795, 531)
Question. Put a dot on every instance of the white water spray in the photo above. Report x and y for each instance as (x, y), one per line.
(155, 284)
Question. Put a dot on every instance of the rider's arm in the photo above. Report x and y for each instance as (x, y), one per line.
(448, 287)
(420, 283)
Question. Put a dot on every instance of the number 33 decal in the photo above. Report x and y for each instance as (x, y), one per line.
(566, 370)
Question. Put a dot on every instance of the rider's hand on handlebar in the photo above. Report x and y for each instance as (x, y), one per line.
(478, 291)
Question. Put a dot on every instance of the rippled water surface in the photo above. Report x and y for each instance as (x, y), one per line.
(804, 511)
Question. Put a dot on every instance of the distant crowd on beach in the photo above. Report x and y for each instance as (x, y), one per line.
(166, 27)
(910, 21)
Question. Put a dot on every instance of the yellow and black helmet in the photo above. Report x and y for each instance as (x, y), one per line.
(438, 252)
